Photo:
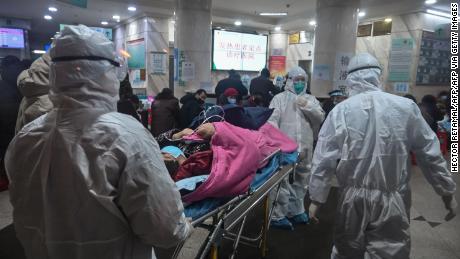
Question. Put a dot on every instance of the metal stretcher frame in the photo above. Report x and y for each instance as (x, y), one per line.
(234, 212)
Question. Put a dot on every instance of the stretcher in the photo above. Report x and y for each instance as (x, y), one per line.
(228, 220)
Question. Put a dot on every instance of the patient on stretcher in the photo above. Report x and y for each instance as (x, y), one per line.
(232, 160)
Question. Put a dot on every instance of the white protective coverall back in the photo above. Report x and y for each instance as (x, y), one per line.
(86, 181)
(371, 134)
(299, 122)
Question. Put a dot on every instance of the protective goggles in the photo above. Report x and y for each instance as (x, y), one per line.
(119, 63)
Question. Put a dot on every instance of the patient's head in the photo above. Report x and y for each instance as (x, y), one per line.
(173, 157)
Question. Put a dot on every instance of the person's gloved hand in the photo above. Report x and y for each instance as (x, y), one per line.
(301, 101)
(450, 203)
(313, 211)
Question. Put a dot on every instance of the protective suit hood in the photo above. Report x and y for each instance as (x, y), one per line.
(35, 80)
(363, 74)
(293, 73)
(82, 74)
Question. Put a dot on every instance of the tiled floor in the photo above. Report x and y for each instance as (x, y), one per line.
(432, 235)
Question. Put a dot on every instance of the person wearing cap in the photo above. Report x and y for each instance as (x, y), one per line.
(230, 96)
(233, 81)
(370, 136)
(94, 185)
(264, 87)
(336, 97)
(299, 115)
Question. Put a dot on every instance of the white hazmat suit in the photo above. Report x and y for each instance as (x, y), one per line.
(371, 134)
(86, 181)
(298, 116)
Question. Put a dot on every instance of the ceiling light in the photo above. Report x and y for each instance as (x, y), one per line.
(430, 2)
(173, 22)
(38, 51)
(116, 17)
(312, 23)
(438, 13)
(388, 19)
(132, 8)
(238, 23)
(48, 17)
(104, 23)
(273, 14)
(52, 9)
(361, 14)
(277, 28)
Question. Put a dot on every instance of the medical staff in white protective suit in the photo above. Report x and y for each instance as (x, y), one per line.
(86, 181)
(371, 134)
(299, 115)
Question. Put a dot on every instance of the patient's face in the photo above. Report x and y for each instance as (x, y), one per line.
(168, 157)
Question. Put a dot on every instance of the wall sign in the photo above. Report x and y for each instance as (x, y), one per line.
(434, 60)
(400, 63)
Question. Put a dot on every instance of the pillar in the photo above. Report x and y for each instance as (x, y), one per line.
(335, 43)
(278, 50)
(193, 40)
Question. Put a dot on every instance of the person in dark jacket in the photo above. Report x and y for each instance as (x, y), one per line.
(233, 81)
(335, 97)
(429, 106)
(263, 86)
(10, 99)
(192, 106)
(165, 112)
(126, 103)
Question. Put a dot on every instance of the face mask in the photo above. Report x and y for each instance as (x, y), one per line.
(231, 101)
(173, 151)
(299, 86)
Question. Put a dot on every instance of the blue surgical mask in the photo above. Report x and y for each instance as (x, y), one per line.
(173, 151)
(231, 100)
(299, 86)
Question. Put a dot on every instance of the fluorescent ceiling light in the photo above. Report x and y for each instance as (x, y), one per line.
(388, 20)
(238, 23)
(132, 8)
(38, 51)
(438, 13)
(104, 23)
(116, 17)
(430, 2)
(312, 23)
(52, 9)
(273, 14)
(277, 28)
(361, 14)
(48, 17)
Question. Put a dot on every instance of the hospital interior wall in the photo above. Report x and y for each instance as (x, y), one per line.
(155, 32)
(403, 26)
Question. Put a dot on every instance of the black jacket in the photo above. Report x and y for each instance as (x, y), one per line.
(191, 107)
(263, 86)
(226, 83)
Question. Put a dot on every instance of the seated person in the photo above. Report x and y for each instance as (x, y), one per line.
(230, 96)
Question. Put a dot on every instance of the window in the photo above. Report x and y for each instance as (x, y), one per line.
(382, 28)
(364, 30)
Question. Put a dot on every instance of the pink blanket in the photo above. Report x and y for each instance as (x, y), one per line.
(237, 154)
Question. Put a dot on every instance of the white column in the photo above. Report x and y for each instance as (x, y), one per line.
(335, 34)
(193, 37)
